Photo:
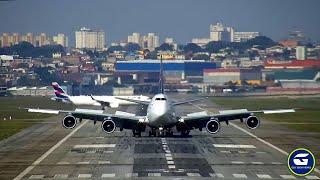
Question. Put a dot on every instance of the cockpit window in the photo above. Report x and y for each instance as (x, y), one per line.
(161, 99)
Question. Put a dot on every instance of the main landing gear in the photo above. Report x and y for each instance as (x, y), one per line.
(136, 133)
(185, 133)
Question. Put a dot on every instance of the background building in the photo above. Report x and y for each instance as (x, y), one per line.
(87, 38)
(134, 38)
(61, 39)
(301, 53)
(151, 41)
(235, 75)
(147, 71)
(219, 32)
(41, 40)
(244, 36)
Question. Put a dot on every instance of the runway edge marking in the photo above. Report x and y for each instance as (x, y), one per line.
(254, 136)
(46, 154)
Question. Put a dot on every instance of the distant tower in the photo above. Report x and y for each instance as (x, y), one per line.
(87, 38)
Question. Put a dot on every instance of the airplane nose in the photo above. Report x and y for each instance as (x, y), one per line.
(160, 110)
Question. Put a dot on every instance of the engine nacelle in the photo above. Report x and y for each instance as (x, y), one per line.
(213, 126)
(108, 126)
(252, 122)
(69, 122)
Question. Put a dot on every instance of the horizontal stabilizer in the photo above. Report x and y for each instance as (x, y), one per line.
(121, 113)
(202, 113)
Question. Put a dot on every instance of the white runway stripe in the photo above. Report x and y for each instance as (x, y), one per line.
(84, 175)
(312, 177)
(287, 177)
(264, 176)
(194, 174)
(170, 162)
(38, 176)
(257, 162)
(244, 146)
(81, 146)
(239, 176)
(108, 175)
(103, 162)
(132, 175)
(61, 176)
(276, 163)
(237, 162)
(219, 175)
(63, 163)
(154, 174)
(83, 162)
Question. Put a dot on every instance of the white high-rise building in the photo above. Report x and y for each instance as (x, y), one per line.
(244, 36)
(151, 41)
(134, 38)
(301, 53)
(87, 38)
(219, 32)
(61, 39)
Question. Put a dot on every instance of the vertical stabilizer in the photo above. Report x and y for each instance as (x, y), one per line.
(161, 80)
(59, 92)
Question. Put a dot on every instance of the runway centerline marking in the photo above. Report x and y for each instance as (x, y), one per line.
(239, 146)
(46, 154)
(254, 136)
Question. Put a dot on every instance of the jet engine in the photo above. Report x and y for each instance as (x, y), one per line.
(69, 122)
(252, 122)
(108, 126)
(213, 126)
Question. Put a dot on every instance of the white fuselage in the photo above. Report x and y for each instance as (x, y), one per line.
(160, 112)
(114, 102)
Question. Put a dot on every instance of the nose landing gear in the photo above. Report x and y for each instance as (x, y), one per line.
(160, 132)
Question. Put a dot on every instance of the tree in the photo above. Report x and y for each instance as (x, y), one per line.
(25, 49)
(192, 48)
(165, 47)
(151, 55)
(215, 46)
(262, 41)
(111, 49)
(46, 77)
(132, 47)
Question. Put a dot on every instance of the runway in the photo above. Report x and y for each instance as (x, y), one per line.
(48, 151)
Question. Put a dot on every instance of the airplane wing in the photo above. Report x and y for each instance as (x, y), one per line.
(187, 101)
(200, 120)
(134, 100)
(121, 119)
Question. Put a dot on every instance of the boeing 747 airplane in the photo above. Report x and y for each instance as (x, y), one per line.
(160, 117)
(103, 101)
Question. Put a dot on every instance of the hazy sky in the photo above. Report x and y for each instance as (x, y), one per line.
(181, 19)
